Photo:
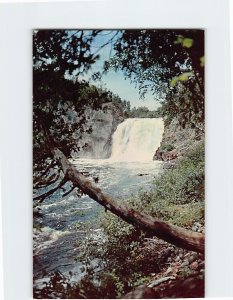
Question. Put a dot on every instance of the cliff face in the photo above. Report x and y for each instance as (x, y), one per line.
(176, 141)
(103, 122)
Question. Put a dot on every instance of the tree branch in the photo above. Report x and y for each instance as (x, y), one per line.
(173, 234)
(50, 192)
(51, 165)
(105, 44)
(69, 191)
(52, 179)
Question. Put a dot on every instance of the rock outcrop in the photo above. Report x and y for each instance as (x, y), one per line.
(176, 141)
(103, 123)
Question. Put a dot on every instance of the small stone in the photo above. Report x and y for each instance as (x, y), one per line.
(181, 255)
(169, 259)
(185, 263)
(177, 258)
(169, 270)
(194, 265)
(192, 258)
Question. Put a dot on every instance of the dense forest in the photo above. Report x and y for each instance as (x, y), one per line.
(155, 239)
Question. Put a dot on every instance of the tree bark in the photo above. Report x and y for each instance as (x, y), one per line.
(170, 233)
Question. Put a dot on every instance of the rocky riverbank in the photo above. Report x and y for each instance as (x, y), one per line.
(180, 272)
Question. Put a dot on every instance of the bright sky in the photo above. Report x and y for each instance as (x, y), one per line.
(115, 81)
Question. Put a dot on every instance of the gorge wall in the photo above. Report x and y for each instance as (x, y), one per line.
(104, 123)
(176, 141)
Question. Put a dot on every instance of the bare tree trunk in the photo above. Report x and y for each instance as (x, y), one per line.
(173, 234)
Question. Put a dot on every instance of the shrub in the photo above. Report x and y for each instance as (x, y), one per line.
(166, 148)
(177, 195)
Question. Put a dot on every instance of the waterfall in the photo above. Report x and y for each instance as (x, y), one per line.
(137, 139)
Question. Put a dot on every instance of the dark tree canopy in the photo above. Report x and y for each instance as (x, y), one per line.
(64, 51)
(170, 64)
(60, 96)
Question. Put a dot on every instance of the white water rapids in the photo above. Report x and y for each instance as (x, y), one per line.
(64, 220)
(137, 139)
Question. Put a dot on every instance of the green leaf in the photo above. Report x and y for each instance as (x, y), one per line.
(174, 81)
(179, 40)
(185, 76)
(202, 61)
(187, 43)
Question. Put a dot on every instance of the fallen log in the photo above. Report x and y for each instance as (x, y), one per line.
(175, 235)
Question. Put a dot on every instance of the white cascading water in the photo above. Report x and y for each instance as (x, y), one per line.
(137, 139)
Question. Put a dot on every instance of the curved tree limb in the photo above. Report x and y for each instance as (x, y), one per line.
(48, 181)
(50, 192)
(173, 234)
(69, 191)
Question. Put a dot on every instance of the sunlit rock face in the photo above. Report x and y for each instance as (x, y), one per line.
(103, 122)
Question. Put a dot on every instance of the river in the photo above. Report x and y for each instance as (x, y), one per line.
(64, 220)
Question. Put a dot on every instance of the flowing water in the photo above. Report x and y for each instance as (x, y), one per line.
(63, 219)
(137, 139)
